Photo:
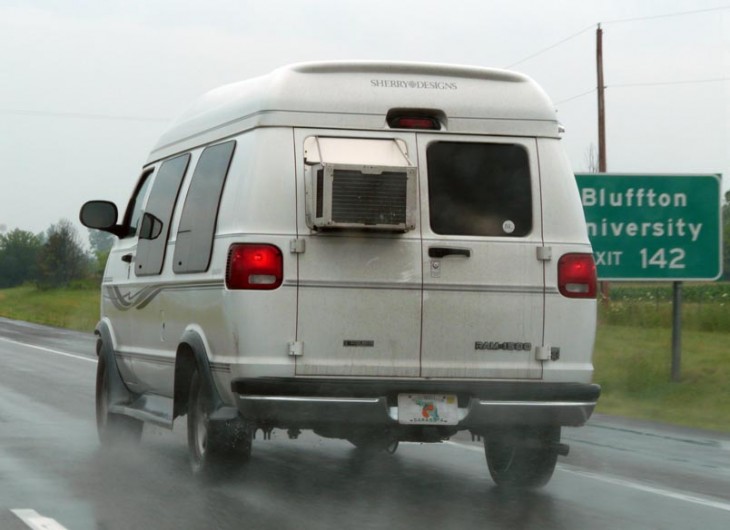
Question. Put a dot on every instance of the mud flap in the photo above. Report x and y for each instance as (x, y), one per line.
(219, 411)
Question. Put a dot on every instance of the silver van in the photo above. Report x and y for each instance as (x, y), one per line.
(378, 252)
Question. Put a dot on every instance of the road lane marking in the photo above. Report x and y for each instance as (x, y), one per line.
(479, 449)
(36, 521)
(49, 350)
(672, 494)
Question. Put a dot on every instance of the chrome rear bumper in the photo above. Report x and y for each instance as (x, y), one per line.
(482, 405)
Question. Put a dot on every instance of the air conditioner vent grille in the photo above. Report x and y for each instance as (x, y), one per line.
(369, 199)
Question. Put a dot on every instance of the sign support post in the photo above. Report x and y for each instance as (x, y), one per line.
(676, 332)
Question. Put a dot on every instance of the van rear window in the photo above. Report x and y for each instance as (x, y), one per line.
(479, 189)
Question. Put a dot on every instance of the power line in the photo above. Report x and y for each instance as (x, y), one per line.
(617, 21)
(591, 91)
(566, 39)
(81, 115)
(667, 15)
(646, 84)
(663, 83)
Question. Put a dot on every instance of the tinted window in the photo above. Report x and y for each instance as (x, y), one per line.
(166, 186)
(194, 242)
(479, 189)
(134, 208)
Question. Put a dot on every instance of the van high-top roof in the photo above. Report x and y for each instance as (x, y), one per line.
(359, 95)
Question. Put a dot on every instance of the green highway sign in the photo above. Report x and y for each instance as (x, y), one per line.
(653, 227)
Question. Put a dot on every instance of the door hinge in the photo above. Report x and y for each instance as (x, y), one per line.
(296, 348)
(544, 253)
(297, 246)
(547, 353)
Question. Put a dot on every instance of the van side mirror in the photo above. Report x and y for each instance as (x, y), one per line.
(150, 227)
(100, 215)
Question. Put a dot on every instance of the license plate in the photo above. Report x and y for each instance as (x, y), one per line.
(428, 409)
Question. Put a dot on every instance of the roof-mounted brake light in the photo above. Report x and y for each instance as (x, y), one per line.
(424, 119)
(414, 122)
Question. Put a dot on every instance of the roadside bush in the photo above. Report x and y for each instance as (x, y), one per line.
(705, 307)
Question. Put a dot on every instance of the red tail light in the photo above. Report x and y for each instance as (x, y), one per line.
(577, 276)
(254, 266)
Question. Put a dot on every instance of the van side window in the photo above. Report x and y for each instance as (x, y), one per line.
(194, 242)
(479, 189)
(151, 252)
(134, 208)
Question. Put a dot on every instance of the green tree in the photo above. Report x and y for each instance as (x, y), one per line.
(101, 243)
(61, 259)
(18, 256)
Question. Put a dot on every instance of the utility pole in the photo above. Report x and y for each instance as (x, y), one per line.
(601, 102)
(605, 288)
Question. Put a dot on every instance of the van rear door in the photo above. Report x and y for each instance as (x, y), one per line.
(359, 254)
(484, 288)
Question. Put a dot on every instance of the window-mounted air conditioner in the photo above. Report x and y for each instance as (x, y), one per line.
(362, 184)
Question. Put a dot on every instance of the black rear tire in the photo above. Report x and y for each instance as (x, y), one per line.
(522, 458)
(213, 446)
(113, 429)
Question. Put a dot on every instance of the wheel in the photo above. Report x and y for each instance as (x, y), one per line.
(522, 459)
(112, 428)
(213, 445)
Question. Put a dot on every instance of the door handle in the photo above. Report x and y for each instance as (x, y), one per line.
(440, 252)
(127, 258)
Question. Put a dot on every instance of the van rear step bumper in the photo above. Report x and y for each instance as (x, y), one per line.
(308, 403)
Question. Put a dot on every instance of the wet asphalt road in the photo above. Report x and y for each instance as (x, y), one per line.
(619, 474)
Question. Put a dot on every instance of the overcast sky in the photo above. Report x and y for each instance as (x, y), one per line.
(87, 86)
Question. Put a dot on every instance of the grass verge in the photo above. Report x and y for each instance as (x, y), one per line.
(74, 307)
(633, 367)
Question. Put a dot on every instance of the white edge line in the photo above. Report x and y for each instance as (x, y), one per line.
(478, 449)
(678, 495)
(36, 521)
(49, 350)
